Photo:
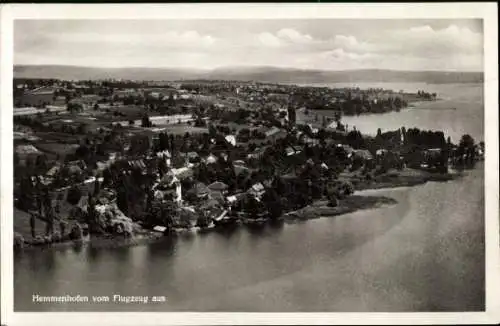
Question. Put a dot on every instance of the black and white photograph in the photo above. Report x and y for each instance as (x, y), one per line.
(250, 163)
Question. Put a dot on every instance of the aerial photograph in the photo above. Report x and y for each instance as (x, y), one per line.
(248, 165)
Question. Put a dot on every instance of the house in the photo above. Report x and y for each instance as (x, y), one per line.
(169, 185)
(159, 228)
(218, 196)
(257, 190)
(53, 171)
(210, 205)
(192, 157)
(292, 150)
(235, 198)
(314, 130)
(106, 196)
(124, 93)
(165, 155)
(257, 153)
(182, 173)
(239, 169)
(363, 154)
(200, 190)
(239, 162)
(231, 200)
(432, 155)
(138, 164)
(347, 149)
(211, 159)
(83, 203)
(172, 119)
(218, 186)
(76, 166)
(381, 152)
(231, 139)
(271, 132)
(26, 111)
(309, 140)
(276, 133)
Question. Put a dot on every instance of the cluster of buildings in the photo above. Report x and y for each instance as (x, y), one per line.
(173, 172)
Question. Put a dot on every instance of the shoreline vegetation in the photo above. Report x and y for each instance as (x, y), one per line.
(250, 159)
(318, 209)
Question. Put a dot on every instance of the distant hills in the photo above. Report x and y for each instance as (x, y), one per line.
(261, 74)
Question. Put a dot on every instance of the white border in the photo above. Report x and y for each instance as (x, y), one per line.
(486, 11)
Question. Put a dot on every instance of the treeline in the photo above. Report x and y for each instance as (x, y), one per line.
(426, 95)
(35, 122)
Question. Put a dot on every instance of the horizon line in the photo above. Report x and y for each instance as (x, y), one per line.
(247, 67)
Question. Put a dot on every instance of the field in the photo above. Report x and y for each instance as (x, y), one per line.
(57, 148)
(59, 137)
(181, 129)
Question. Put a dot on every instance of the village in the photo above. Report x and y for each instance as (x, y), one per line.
(135, 158)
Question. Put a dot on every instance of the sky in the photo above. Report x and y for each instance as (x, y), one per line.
(325, 44)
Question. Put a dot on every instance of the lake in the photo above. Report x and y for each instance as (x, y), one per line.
(425, 253)
(458, 111)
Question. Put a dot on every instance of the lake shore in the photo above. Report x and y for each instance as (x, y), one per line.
(320, 208)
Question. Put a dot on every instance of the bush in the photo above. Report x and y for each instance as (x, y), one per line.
(74, 195)
(56, 237)
(348, 188)
(333, 201)
(76, 232)
(380, 170)
(18, 241)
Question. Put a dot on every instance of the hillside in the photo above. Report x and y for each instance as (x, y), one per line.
(262, 74)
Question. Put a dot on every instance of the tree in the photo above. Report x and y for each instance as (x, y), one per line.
(32, 224)
(324, 122)
(97, 187)
(74, 107)
(466, 148)
(466, 141)
(146, 122)
(74, 195)
(273, 203)
(76, 232)
(333, 200)
(338, 116)
(252, 206)
(122, 199)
